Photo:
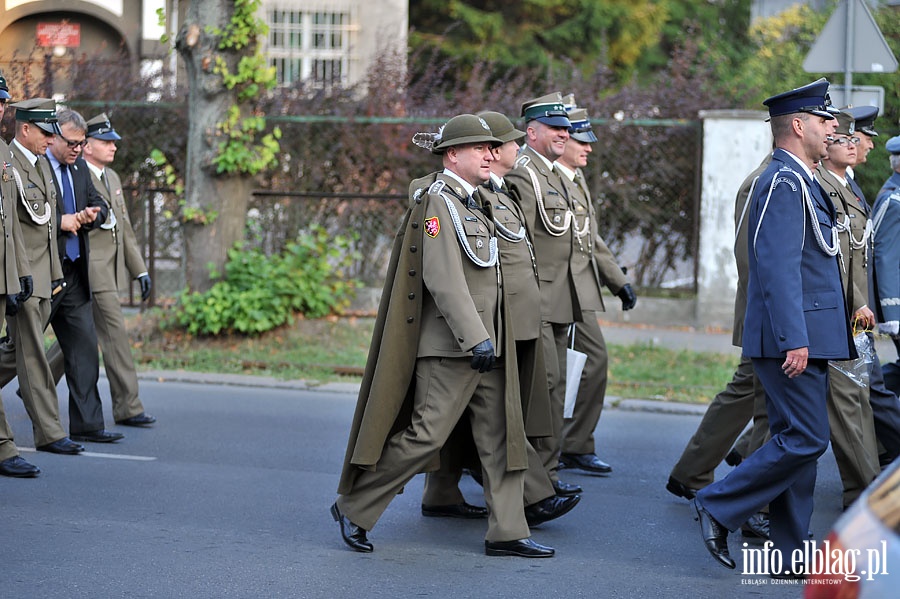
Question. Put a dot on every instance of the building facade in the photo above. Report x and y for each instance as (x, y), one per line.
(322, 42)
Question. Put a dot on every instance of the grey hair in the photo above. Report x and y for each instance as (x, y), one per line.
(895, 162)
(70, 116)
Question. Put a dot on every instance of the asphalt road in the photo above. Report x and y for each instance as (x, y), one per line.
(228, 496)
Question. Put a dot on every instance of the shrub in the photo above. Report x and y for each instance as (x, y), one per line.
(259, 293)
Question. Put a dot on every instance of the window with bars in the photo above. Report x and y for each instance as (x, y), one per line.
(309, 45)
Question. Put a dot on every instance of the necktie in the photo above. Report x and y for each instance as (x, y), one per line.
(105, 182)
(72, 250)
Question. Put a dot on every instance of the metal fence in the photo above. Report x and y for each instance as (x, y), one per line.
(350, 175)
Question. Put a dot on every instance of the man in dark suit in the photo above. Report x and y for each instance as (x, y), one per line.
(80, 209)
(22, 353)
(796, 321)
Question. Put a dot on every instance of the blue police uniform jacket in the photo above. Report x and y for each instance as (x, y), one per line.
(886, 220)
(794, 296)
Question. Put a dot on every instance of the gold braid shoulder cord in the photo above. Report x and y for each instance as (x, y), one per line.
(437, 189)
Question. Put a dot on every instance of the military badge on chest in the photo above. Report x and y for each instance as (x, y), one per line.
(432, 226)
(5, 176)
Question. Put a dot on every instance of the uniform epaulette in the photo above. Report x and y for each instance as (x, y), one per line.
(523, 160)
(436, 187)
(418, 193)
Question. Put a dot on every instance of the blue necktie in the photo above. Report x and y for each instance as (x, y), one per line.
(72, 249)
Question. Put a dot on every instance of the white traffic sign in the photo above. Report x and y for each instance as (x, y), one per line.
(860, 95)
(866, 50)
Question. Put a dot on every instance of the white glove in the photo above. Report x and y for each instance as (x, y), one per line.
(891, 327)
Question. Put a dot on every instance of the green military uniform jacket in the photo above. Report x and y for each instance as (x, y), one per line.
(446, 320)
(36, 208)
(593, 264)
(851, 216)
(741, 249)
(14, 259)
(545, 204)
(524, 294)
(115, 255)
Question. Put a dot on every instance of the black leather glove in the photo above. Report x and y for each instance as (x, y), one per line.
(146, 285)
(628, 297)
(27, 285)
(483, 357)
(12, 305)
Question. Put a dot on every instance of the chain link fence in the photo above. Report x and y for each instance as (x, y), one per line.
(350, 174)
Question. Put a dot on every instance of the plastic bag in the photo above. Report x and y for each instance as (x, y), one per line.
(858, 370)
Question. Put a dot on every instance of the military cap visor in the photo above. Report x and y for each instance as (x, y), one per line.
(103, 131)
(812, 98)
(40, 112)
(554, 115)
(865, 119)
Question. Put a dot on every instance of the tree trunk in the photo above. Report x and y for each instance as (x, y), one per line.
(215, 207)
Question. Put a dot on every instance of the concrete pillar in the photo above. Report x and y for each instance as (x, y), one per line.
(734, 143)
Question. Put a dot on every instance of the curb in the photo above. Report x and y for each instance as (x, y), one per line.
(246, 380)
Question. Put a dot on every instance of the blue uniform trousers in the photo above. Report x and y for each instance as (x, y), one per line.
(781, 473)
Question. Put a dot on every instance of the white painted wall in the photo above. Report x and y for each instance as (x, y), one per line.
(734, 143)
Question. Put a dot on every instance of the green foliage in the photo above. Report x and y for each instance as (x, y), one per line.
(259, 293)
(244, 27)
(241, 150)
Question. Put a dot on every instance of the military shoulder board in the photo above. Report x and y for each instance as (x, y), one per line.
(436, 187)
(523, 160)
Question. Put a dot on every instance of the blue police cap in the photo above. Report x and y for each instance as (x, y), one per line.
(580, 129)
(812, 98)
(4, 89)
(893, 145)
(865, 118)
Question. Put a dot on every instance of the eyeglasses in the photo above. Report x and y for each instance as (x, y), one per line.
(73, 144)
(846, 141)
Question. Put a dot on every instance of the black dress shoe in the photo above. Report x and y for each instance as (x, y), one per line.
(549, 509)
(459, 510)
(16, 467)
(589, 462)
(734, 458)
(756, 527)
(566, 490)
(679, 489)
(63, 446)
(715, 536)
(353, 535)
(520, 548)
(142, 419)
(101, 436)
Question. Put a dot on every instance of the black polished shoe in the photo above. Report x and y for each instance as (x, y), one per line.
(353, 535)
(142, 419)
(679, 489)
(63, 446)
(734, 458)
(459, 510)
(549, 509)
(520, 548)
(756, 527)
(589, 462)
(16, 467)
(566, 490)
(101, 436)
(715, 536)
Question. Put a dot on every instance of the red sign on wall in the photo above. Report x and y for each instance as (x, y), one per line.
(59, 34)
